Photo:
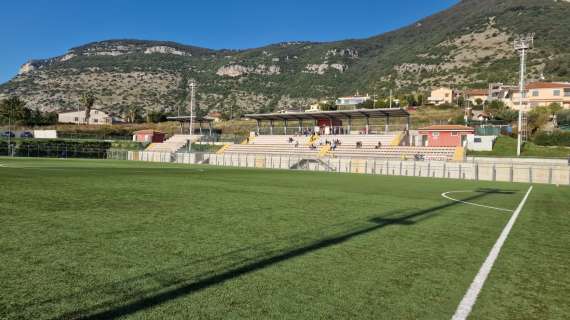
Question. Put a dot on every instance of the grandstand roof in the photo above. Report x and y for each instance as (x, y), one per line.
(341, 114)
(195, 119)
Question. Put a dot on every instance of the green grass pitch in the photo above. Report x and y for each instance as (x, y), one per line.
(106, 239)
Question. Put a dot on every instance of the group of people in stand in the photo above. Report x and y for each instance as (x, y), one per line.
(334, 144)
(291, 140)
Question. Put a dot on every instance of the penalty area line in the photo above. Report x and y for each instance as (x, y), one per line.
(445, 195)
(468, 301)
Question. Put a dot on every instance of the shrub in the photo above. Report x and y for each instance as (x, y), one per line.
(63, 148)
(556, 138)
(563, 117)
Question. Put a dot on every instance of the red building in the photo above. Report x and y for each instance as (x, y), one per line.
(445, 135)
(148, 136)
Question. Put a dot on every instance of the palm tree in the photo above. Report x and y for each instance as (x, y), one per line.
(133, 113)
(87, 100)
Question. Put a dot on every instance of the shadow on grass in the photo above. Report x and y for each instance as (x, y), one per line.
(158, 296)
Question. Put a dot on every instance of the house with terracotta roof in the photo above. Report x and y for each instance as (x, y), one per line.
(473, 95)
(541, 94)
(445, 135)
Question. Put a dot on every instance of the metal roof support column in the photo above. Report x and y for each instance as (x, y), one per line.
(349, 124)
(409, 136)
(300, 126)
(210, 127)
(258, 122)
(285, 122)
(387, 128)
(271, 127)
(200, 123)
(367, 124)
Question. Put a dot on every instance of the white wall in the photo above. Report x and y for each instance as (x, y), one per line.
(45, 134)
(97, 117)
(484, 143)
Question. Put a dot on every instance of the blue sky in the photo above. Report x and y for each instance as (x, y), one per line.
(35, 29)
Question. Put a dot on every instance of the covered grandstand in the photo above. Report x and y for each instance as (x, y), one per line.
(330, 122)
(333, 134)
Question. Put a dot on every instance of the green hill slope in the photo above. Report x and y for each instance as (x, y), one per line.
(467, 45)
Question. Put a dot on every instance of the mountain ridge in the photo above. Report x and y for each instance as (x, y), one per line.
(467, 45)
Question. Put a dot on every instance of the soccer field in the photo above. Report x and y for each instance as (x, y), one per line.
(108, 239)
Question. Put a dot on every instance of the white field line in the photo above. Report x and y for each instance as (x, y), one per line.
(445, 195)
(468, 301)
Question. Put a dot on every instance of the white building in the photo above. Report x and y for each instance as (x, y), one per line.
(441, 95)
(97, 117)
(345, 103)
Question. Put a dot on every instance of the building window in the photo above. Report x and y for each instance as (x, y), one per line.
(556, 93)
(95, 120)
(435, 134)
(76, 119)
(454, 133)
(477, 140)
(567, 92)
(535, 93)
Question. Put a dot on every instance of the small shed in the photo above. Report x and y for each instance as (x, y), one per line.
(445, 135)
(148, 136)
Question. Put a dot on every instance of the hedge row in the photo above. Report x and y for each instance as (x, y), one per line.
(62, 148)
(556, 138)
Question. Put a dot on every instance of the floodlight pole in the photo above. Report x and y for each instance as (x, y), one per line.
(192, 96)
(10, 132)
(522, 44)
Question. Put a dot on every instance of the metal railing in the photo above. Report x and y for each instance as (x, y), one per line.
(487, 171)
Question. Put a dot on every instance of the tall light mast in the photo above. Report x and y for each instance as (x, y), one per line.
(192, 97)
(522, 44)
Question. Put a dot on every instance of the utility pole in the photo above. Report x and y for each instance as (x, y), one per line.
(192, 96)
(522, 44)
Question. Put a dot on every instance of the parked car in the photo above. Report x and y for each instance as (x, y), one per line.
(7, 134)
(26, 134)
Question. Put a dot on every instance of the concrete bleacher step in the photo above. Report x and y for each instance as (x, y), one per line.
(172, 144)
(280, 144)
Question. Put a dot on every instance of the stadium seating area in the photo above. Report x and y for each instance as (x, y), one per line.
(361, 146)
(173, 144)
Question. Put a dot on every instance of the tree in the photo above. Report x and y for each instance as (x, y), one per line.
(14, 110)
(87, 100)
(368, 104)
(496, 106)
(537, 118)
(563, 117)
(327, 106)
(479, 101)
(507, 115)
(133, 114)
(555, 108)
(461, 101)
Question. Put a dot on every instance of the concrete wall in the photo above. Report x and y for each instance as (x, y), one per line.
(514, 171)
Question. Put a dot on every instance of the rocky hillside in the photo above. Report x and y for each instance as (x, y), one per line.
(467, 45)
